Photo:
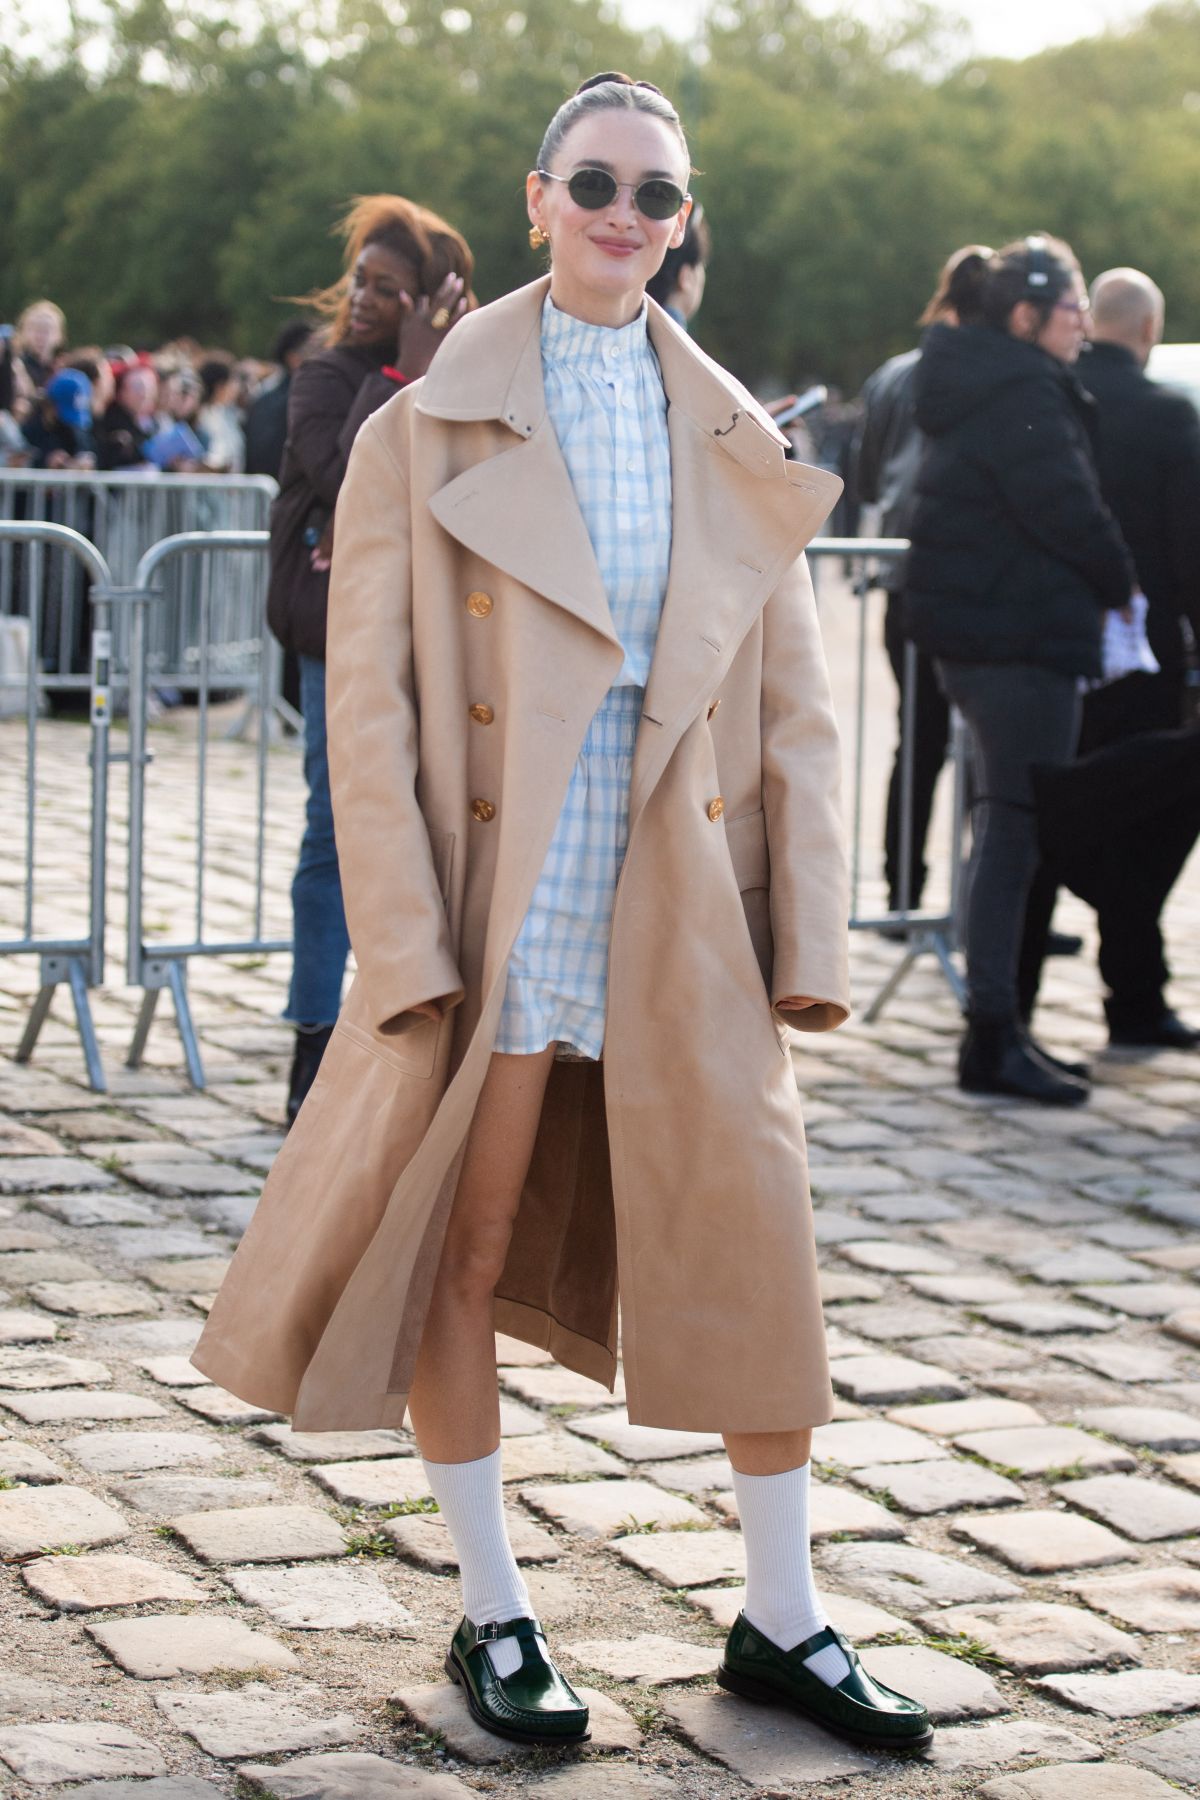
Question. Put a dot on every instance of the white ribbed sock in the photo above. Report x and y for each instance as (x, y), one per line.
(781, 1597)
(470, 1497)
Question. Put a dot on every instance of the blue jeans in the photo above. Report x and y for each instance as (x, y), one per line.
(321, 942)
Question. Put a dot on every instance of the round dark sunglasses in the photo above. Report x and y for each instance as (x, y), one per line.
(596, 188)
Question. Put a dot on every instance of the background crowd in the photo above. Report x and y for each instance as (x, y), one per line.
(179, 408)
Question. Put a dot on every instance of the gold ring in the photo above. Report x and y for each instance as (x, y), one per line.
(441, 318)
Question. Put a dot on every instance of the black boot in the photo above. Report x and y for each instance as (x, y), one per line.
(311, 1043)
(995, 1058)
(1080, 1071)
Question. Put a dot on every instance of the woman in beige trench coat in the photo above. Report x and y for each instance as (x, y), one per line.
(435, 1189)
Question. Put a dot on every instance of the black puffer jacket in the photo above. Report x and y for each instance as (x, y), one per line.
(1015, 556)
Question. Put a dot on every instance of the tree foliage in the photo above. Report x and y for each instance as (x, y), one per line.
(177, 165)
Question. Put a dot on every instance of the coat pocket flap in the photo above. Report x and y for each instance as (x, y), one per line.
(747, 840)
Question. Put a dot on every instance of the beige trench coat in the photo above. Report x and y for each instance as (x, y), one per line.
(470, 643)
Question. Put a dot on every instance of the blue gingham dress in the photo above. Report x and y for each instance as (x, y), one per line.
(605, 398)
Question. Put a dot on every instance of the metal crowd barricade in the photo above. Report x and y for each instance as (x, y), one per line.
(182, 571)
(124, 513)
(39, 556)
(923, 931)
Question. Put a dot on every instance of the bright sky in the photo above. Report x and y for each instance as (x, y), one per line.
(1008, 28)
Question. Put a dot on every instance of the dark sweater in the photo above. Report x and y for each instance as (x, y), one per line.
(1015, 557)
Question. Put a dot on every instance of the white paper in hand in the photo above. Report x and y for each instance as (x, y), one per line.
(1126, 648)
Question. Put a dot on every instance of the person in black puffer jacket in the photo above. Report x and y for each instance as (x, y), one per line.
(1015, 560)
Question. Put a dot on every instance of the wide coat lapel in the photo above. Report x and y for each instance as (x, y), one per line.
(742, 513)
(517, 510)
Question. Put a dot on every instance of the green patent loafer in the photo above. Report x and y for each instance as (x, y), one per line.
(533, 1705)
(859, 1708)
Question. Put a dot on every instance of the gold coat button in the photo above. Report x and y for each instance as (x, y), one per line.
(716, 809)
(479, 604)
(482, 713)
(483, 810)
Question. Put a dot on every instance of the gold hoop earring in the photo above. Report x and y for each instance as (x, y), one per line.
(538, 237)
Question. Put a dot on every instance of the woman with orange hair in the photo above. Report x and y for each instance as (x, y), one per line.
(405, 282)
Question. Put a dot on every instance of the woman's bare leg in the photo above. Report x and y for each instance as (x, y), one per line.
(767, 1452)
(454, 1403)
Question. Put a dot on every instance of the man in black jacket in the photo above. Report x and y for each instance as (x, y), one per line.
(1148, 452)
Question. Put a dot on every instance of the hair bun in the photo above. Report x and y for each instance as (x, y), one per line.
(618, 78)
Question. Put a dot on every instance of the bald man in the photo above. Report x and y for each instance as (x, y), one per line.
(1148, 449)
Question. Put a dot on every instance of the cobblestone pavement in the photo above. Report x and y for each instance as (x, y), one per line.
(197, 1602)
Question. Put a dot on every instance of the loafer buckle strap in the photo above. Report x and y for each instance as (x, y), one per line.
(502, 1628)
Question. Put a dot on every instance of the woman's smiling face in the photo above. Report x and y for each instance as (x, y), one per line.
(602, 259)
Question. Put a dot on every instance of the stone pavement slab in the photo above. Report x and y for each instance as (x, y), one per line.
(958, 1416)
(650, 1658)
(93, 1299)
(555, 1453)
(169, 1644)
(41, 1518)
(1149, 1427)
(606, 1781)
(641, 1443)
(703, 1475)
(440, 1709)
(1041, 1449)
(162, 1787)
(857, 1443)
(1162, 1599)
(1129, 1695)
(910, 1578)
(1007, 1741)
(44, 1174)
(1043, 1542)
(771, 1750)
(255, 1722)
(63, 1406)
(350, 1775)
(95, 1209)
(165, 1496)
(223, 1408)
(602, 1509)
(311, 1598)
(1118, 1360)
(22, 1268)
(1146, 1511)
(952, 1690)
(1174, 1753)
(937, 1487)
(683, 1559)
(17, 1327)
(27, 1464)
(552, 1386)
(1046, 1318)
(93, 1583)
(382, 1482)
(1149, 1300)
(331, 1446)
(890, 1380)
(46, 1754)
(28, 1370)
(1078, 1781)
(134, 1452)
(1036, 1638)
(425, 1540)
(258, 1534)
(173, 1371)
